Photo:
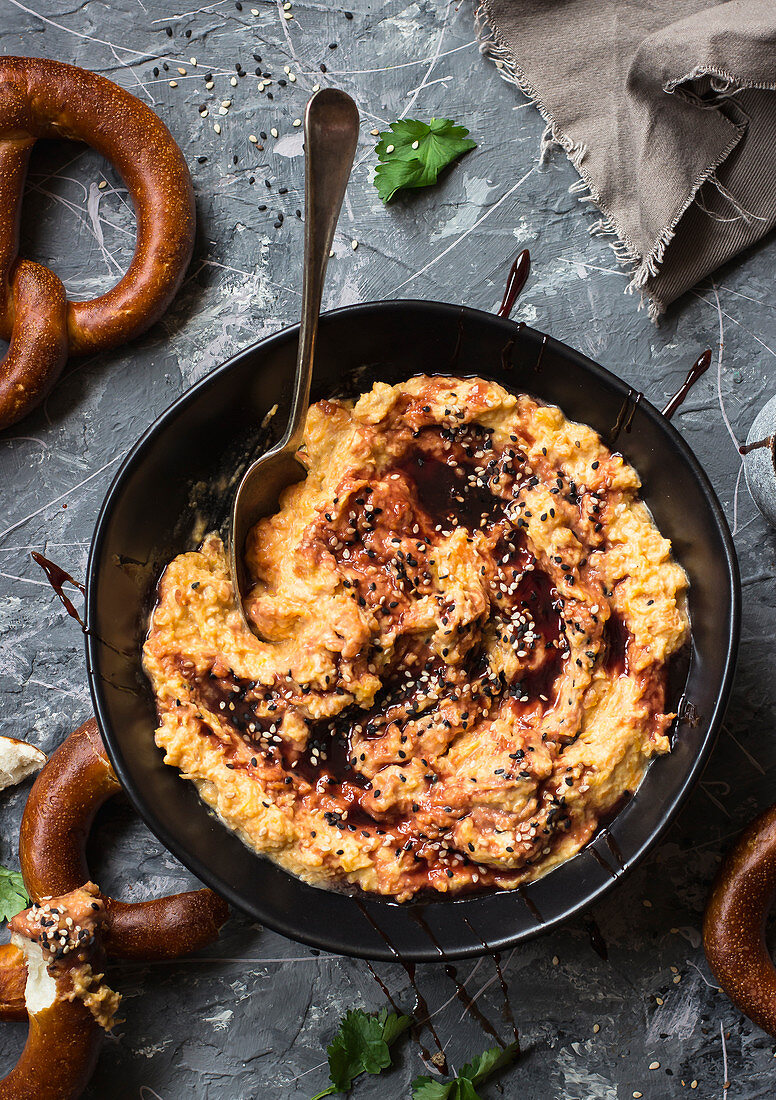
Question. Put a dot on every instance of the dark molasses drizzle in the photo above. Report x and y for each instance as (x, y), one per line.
(538, 365)
(421, 1010)
(625, 415)
(58, 578)
(603, 863)
(530, 905)
(384, 987)
(461, 991)
(614, 848)
(508, 1014)
(516, 280)
(597, 941)
(759, 444)
(698, 369)
(617, 637)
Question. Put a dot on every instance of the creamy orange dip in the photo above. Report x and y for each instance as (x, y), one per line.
(467, 614)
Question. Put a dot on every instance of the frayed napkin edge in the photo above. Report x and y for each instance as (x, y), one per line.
(640, 268)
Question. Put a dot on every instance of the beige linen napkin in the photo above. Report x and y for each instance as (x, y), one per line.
(666, 108)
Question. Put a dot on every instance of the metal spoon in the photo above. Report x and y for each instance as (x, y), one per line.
(330, 139)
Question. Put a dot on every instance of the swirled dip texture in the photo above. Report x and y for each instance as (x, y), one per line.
(468, 614)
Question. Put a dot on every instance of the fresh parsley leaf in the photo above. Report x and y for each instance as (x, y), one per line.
(425, 1088)
(489, 1061)
(13, 896)
(412, 153)
(473, 1073)
(361, 1046)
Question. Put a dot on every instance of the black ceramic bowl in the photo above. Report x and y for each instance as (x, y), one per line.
(176, 484)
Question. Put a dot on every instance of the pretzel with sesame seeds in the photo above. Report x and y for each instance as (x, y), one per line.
(735, 921)
(77, 780)
(66, 998)
(40, 98)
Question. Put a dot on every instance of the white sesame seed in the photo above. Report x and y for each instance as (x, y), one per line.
(226, 103)
(274, 132)
(390, 148)
(292, 78)
(252, 138)
(654, 1065)
(287, 15)
(233, 81)
(217, 127)
(209, 84)
(316, 87)
(374, 132)
(354, 244)
(223, 110)
(181, 71)
(297, 122)
(173, 83)
(254, 11)
(193, 61)
(102, 184)
(415, 144)
(287, 68)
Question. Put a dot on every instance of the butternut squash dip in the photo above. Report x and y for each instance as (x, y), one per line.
(468, 615)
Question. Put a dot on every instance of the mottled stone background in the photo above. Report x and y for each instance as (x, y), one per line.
(249, 1018)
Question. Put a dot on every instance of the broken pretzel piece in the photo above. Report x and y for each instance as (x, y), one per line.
(66, 998)
(18, 761)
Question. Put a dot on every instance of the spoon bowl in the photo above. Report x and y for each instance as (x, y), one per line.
(331, 135)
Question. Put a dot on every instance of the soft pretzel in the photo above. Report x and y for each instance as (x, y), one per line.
(66, 997)
(18, 761)
(734, 925)
(13, 979)
(42, 98)
(65, 797)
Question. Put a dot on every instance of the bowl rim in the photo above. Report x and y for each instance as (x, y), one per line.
(210, 876)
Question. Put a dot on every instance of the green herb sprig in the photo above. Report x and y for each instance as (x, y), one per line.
(13, 896)
(362, 1046)
(474, 1073)
(411, 154)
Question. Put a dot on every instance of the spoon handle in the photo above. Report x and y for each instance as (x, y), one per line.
(330, 139)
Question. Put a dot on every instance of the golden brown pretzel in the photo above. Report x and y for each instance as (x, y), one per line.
(734, 925)
(43, 98)
(75, 782)
(13, 978)
(66, 996)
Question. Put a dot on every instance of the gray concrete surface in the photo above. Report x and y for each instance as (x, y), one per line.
(250, 1018)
